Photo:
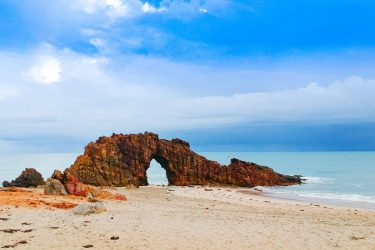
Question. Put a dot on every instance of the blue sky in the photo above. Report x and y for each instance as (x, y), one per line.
(226, 75)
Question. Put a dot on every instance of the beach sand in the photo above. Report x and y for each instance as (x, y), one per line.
(183, 218)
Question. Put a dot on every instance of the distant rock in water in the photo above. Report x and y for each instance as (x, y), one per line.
(28, 178)
(122, 160)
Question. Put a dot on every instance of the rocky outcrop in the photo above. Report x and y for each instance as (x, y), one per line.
(62, 184)
(122, 160)
(28, 178)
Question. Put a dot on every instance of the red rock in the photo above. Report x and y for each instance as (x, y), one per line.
(74, 186)
(120, 197)
(122, 160)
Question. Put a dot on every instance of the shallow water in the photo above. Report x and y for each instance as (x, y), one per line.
(342, 176)
(345, 176)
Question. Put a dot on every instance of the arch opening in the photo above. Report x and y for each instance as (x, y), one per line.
(156, 174)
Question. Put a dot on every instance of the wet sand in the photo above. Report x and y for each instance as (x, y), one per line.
(185, 218)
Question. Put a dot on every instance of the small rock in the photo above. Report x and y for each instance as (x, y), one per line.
(120, 197)
(54, 187)
(115, 237)
(10, 231)
(208, 189)
(89, 208)
(356, 238)
(57, 175)
(88, 246)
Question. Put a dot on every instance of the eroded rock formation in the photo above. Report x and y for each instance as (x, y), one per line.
(122, 160)
(28, 178)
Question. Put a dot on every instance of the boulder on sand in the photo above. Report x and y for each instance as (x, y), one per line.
(74, 186)
(54, 187)
(6, 184)
(28, 178)
(89, 208)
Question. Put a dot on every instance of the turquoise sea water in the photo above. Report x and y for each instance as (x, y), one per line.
(340, 176)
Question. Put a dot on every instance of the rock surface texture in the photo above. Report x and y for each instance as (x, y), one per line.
(74, 186)
(122, 160)
(89, 208)
(54, 187)
(28, 178)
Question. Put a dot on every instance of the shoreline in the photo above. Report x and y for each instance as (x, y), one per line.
(240, 195)
(323, 201)
(339, 203)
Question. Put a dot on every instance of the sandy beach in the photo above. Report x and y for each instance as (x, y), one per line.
(171, 217)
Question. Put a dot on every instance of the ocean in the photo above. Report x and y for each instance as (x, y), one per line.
(339, 178)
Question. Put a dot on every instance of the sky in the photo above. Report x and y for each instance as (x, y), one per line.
(260, 75)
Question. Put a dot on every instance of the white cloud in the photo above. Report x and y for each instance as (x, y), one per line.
(90, 32)
(100, 44)
(47, 70)
(111, 8)
(119, 9)
(190, 9)
(100, 95)
(347, 100)
(134, 8)
(148, 8)
(90, 6)
(114, 3)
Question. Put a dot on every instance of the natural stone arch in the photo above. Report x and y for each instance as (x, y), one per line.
(122, 160)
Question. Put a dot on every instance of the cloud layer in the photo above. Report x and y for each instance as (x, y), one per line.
(85, 68)
(94, 95)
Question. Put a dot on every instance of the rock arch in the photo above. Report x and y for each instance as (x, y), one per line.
(122, 160)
